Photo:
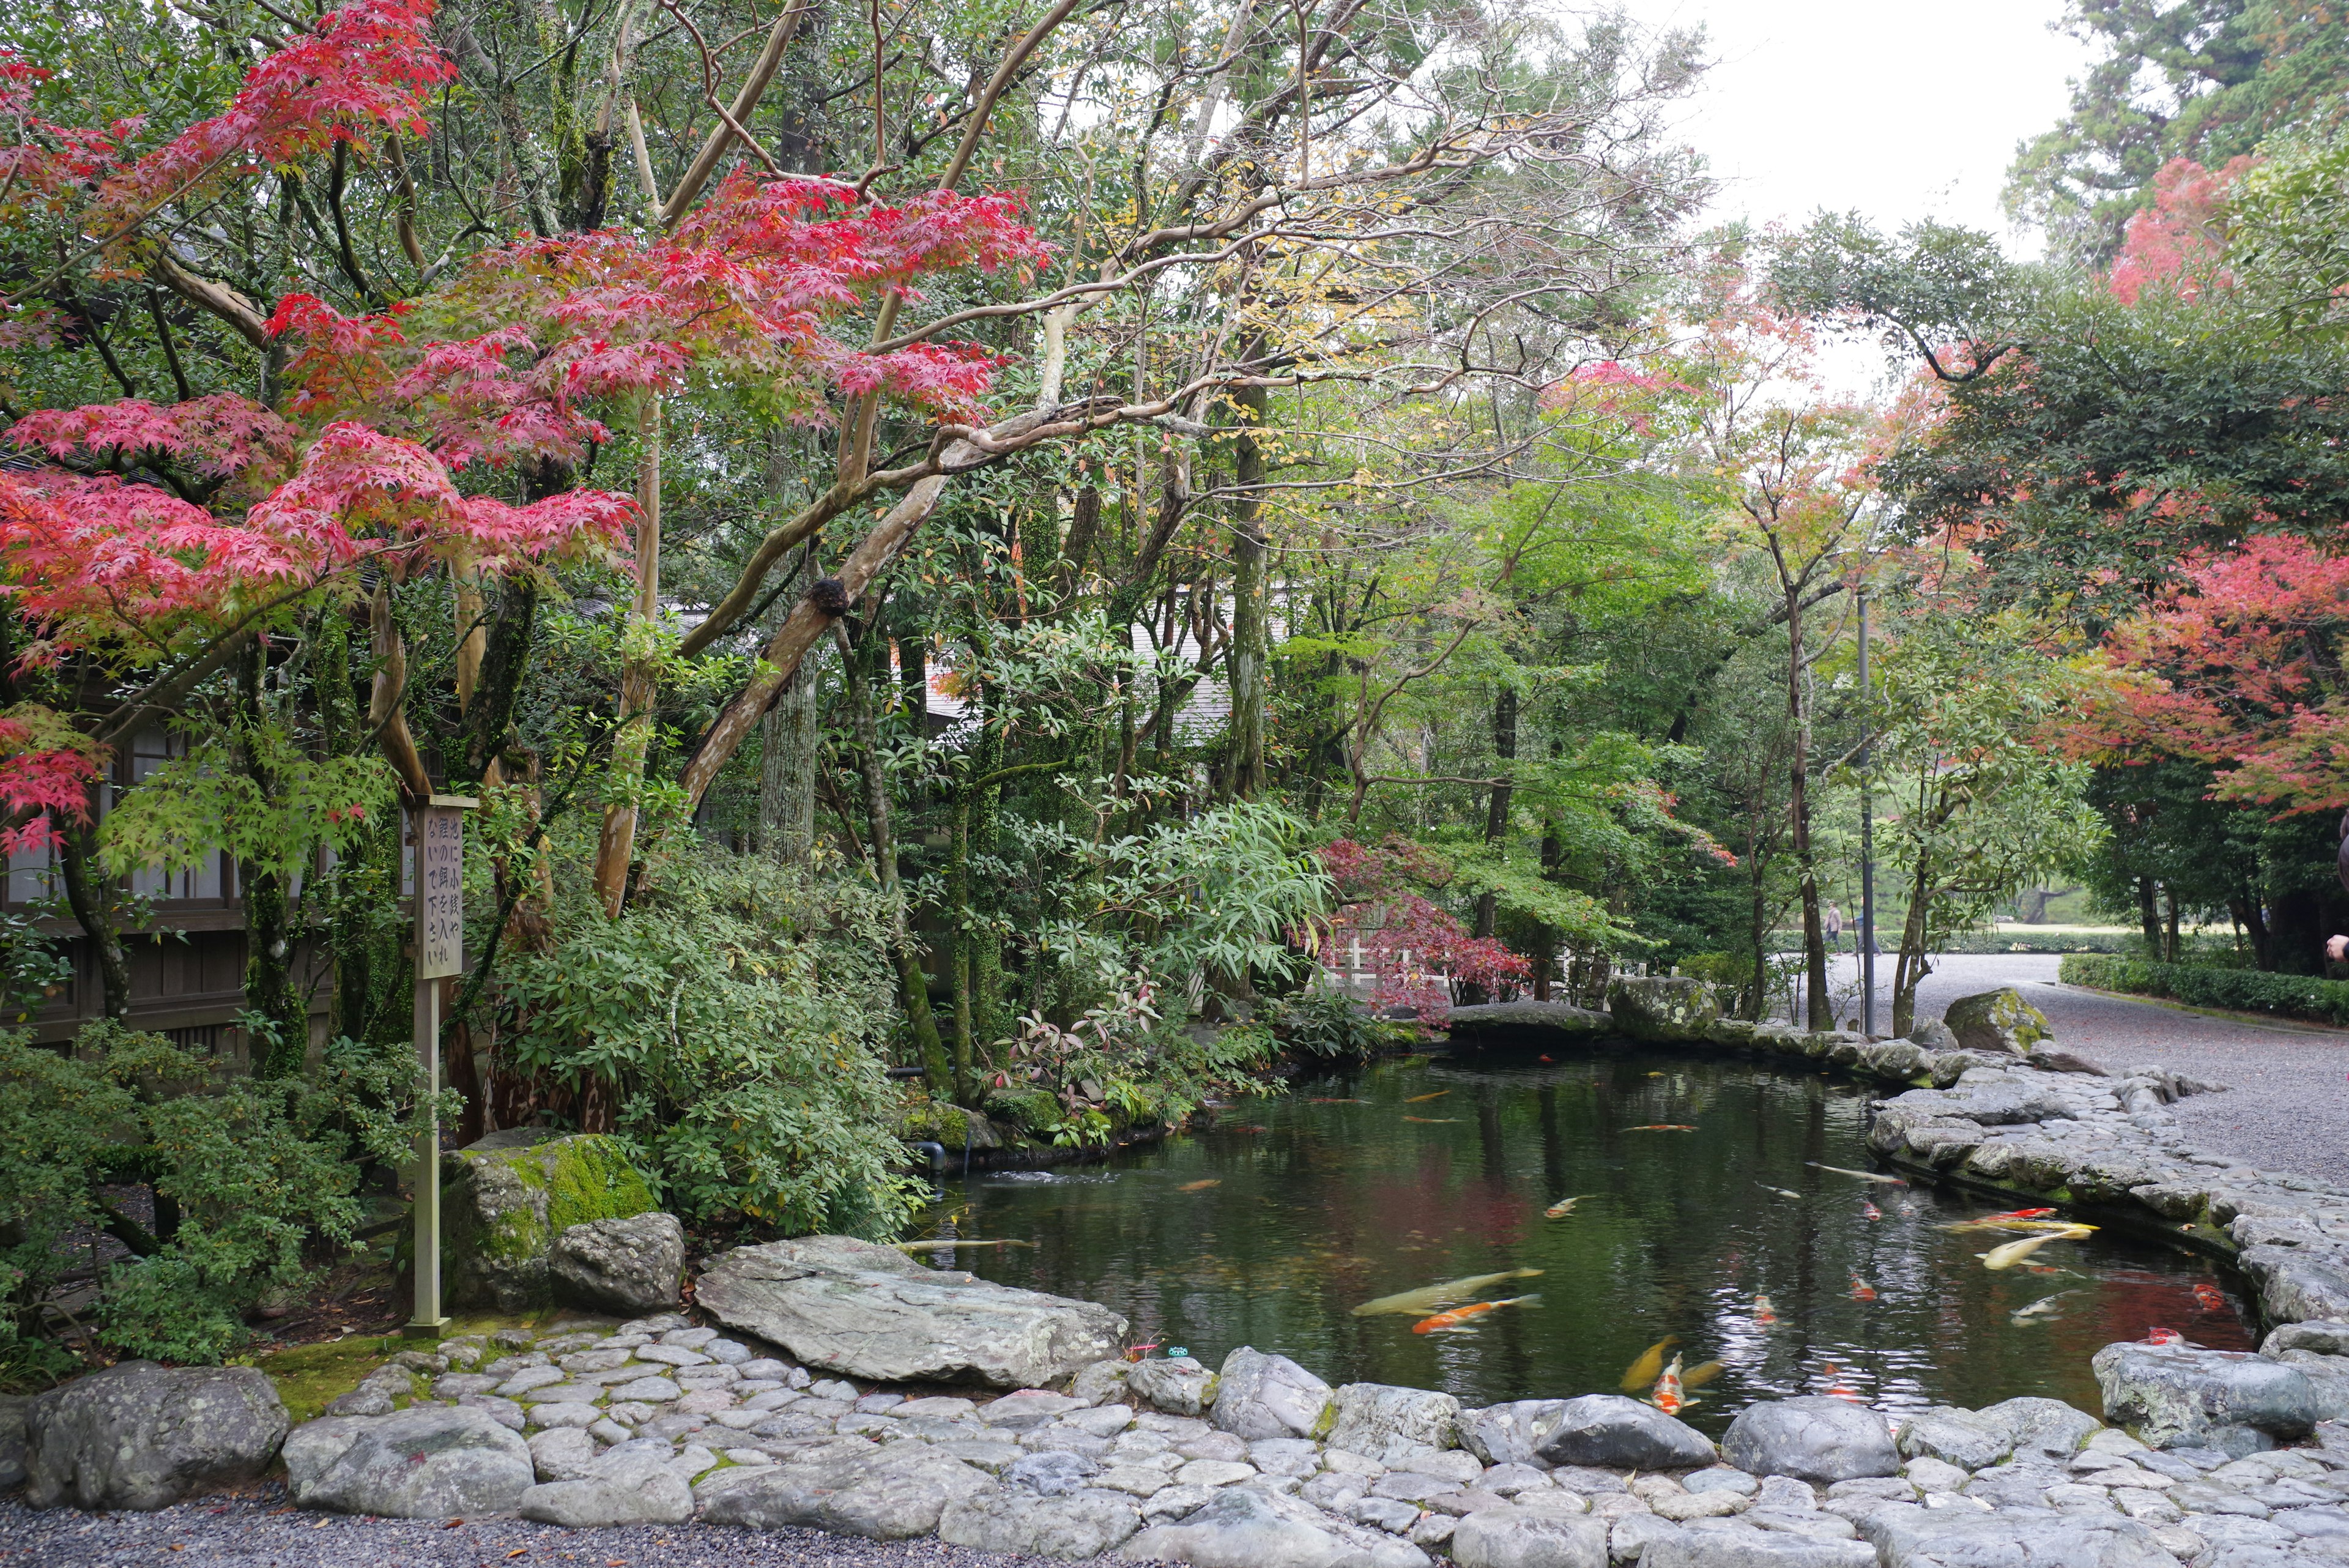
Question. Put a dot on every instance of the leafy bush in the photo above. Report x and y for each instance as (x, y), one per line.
(735, 1015)
(2199, 985)
(254, 1180)
(1329, 1025)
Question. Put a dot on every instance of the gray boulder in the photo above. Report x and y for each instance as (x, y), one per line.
(1661, 1007)
(1383, 1422)
(1523, 1022)
(143, 1436)
(1524, 1538)
(1261, 1396)
(1509, 1434)
(2178, 1398)
(1934, 1035)
(1242, 1528)
(1618, 1433)
(1954, 1436)
(883, 1494)
(2325, 1336)
(2036, 1426)
(1996, 1021)
(2327, 1375)
(1074, 1529)
(12, 1439)
(1177, 1384)
(630, 1266)
(507, 1199)
(865, 1310)
(1907, 1536)
(2295, 1284)
(1816, 1438)
(1738, 1547)
(429, 1462)
(637, 1488)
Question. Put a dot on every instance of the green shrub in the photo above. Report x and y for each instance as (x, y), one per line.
(2201, 985)
(262, 1176)
(1328, 1024)
(736, 1013)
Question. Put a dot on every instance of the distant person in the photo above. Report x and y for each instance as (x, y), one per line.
(1834, 926)
(2337, 948)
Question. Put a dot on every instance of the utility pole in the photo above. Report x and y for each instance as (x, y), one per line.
(1867, 846)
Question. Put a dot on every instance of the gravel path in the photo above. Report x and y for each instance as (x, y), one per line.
(258, 1529)
(2287, 1105)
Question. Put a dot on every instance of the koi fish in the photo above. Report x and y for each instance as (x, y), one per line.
(2212, 1298)
(1337, 1102)
(1563, 1207)
(1764, 1313)
(1252, 1129)
(950, 1246)
(1422, 1099)
(1545, 1058)
(1655, 1074)
(2043, 1307)
(1429, 1297)
(1702, 1372)
(1669, 1396)
(2013, 1253)
(2010, 1227)
(1870, 1211)
(1662, 1126)
(2021, 1214)
(1837, 1387)
(2157, 1336)
(1435, 1121)
(1781, 1191)
(1201, 1186)
(1862, 1174)
(1643, 1371)
(1458, 1317)
(1861, 1291)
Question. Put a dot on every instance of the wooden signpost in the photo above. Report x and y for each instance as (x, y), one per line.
(439, 831)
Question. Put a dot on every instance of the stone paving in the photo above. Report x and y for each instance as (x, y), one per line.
(2288, 1102)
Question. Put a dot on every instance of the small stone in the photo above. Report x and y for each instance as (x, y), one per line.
(1177, 1502)
(562, 1453)
(1076, 1529)
(1723, 1479)
(504, 1412)
(653, 1391)
(1099, 1382)
(1298, 1457)
(1140, 1480)
(1459, 1469)
(730, 1353)
(565, 1414)
(1179, 1385)
(1509, 1433)
(621, 1489)
(530, 1378)
(1386, 1422)
(1517, 1538)
(1433, 1531)
(1680, 1507)
(1213, 1473)
(1387, 1513)
(1259, 1396)
(1933, 1475)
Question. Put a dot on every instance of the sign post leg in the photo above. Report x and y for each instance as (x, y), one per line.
(428, 1322)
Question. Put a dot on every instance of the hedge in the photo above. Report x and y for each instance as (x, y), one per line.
(2197, 985)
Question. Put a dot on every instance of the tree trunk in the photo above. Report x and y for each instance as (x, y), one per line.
(857, 667)
(2255, 924)
(1818, 1012)
(1911, 968)
(1251, 633)
(1496, 804)
(2148, 918)
(86, 890)
(791, 738)
(2170, 924)
(279, 1022)
(616, 845)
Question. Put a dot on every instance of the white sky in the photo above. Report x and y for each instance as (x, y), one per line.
(1898, 109)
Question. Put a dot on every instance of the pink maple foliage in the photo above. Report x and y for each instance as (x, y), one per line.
(41, 785)
(2176, 240)
(1417, 950)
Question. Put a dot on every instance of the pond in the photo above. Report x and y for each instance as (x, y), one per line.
(1271, 1227)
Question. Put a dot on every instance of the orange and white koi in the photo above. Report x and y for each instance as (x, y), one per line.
(2021, 1214)
(1458, 1317)
(1764, 1313)
(2159, 1335)
(1870, 1211)
(1861, 1291)
(2212, 1298)
(1563, 1207)
(1669, 1395)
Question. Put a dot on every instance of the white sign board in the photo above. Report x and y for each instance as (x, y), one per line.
(439, 891)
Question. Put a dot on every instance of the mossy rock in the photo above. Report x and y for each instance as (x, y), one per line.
(506, 1198)
(1031, 1112)
(937, 1122)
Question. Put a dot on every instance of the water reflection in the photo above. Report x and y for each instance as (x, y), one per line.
(1351, 1188)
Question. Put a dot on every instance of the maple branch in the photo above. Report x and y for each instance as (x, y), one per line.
(1013, 59)
(746, 101)
(239, 313)
(170, 353)
(386, 698)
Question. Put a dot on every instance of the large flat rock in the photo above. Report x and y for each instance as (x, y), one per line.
(865, 1310)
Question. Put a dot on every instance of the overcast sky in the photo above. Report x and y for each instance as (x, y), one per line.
(1901, 110)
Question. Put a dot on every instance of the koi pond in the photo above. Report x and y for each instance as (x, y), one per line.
(1270, 1228)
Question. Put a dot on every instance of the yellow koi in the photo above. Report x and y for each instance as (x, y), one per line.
(1422, 1099)
(1429, 1297)
(1643, 1371)
(1564, 1206)
(2013, 1253)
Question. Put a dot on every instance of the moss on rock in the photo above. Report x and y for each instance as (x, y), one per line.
(506, 1199)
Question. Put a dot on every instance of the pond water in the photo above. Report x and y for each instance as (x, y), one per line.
(1271, 1227)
